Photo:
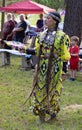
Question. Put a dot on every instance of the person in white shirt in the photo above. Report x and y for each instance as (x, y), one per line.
(28, 24)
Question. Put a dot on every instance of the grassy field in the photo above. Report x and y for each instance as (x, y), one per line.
(15, 86)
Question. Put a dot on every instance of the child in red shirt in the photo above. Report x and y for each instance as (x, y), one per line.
(74, 53)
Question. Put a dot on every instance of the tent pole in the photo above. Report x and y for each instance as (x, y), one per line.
(3, 15)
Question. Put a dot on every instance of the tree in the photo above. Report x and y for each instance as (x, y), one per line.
(73, 18)
(2, 21)
(55, 4)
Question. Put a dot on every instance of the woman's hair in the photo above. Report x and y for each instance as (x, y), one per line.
(56, 17)
(56, 26)
(75, 38)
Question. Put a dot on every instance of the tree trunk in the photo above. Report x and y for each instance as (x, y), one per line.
(3, 15)
(73, 18)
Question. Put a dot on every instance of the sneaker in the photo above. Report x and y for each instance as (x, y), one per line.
(53, 116)
(72, 79)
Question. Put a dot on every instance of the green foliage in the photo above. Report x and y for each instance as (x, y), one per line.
(55, 4)
(15, 86)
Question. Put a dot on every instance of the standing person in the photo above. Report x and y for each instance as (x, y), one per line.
(52, 50)
(40, 23)
(7, 28)
(7, 35)
(19, 30)
(28, 24)
(74, 52)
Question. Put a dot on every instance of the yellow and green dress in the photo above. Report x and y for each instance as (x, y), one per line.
(41, 99)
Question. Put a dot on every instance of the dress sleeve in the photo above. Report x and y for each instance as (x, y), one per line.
(35, 50)
(65, 54)
(37, 46)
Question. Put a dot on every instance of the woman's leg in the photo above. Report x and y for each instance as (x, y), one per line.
(74, 74)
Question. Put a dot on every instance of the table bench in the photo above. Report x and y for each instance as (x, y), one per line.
(5, 61)
(29, 40)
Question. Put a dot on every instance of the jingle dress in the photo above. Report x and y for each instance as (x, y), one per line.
(39, 99)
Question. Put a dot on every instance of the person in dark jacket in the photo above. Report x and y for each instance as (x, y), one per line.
(19, 30)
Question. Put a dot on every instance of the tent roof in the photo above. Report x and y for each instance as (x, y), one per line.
(26, 6)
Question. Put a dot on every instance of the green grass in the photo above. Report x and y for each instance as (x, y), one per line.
(15, 86)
